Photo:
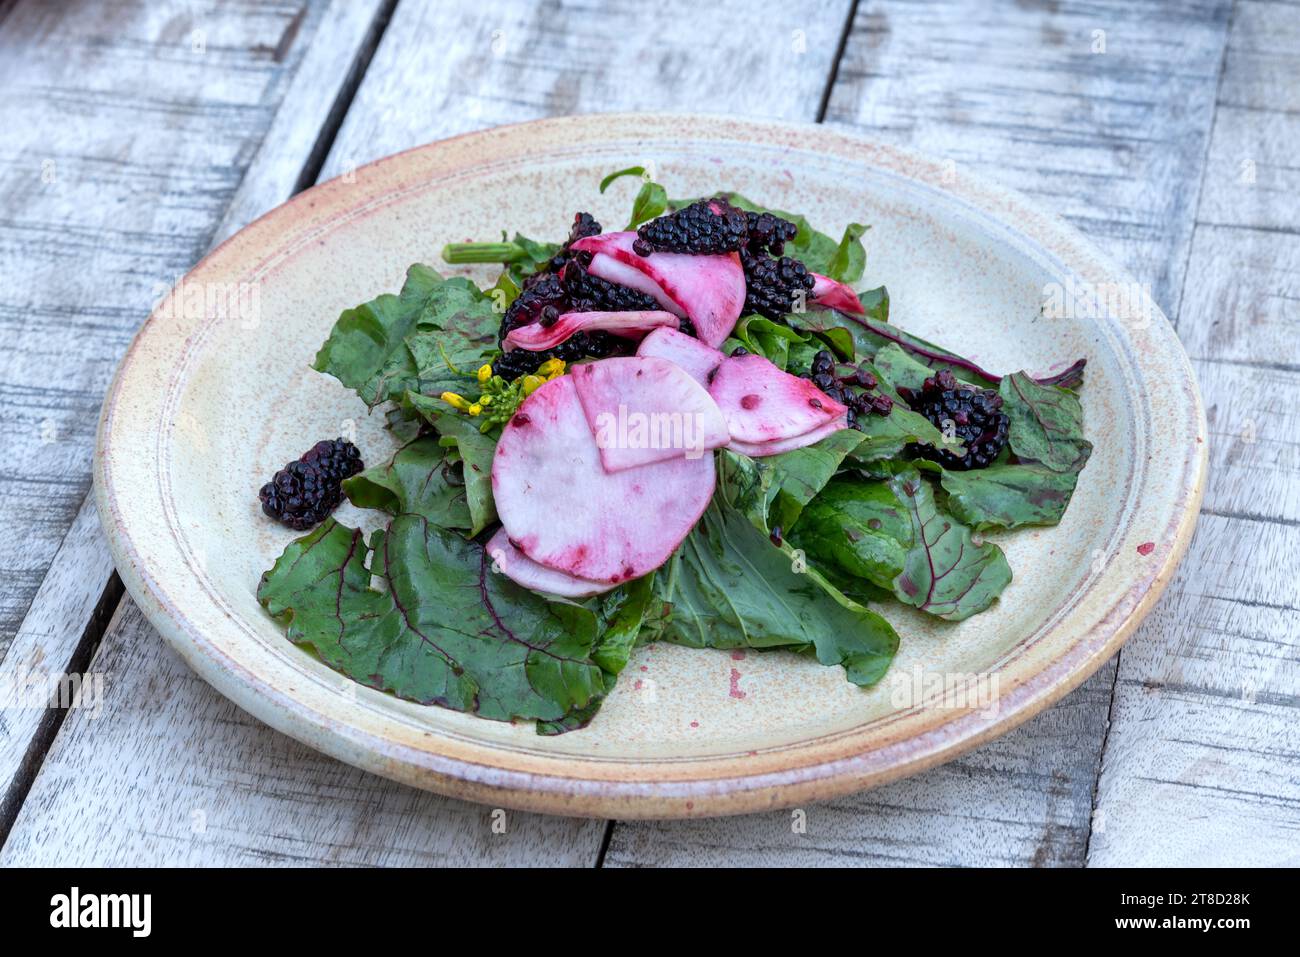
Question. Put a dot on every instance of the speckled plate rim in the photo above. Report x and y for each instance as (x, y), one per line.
(1162, 508)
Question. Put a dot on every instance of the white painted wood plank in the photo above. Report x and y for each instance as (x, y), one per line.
(386, 116)
(1202, 764)
(447, 68)
(346, 32)
(43, 648)
(167, 771)
(128, 128)
(1253, 178)
(1114, 141)
(1099, 110)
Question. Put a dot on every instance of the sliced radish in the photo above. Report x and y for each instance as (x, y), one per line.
(562, 509)
(709, 289)
(522, 570)
(611, 270)
(776, 446)
(631, 325)
(643, 410)
(695, 357)
(833, 294)
(762, 403)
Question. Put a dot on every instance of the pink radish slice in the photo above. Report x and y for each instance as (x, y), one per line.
(522, 570)
(643, 410)
(611, 270)
(562, 509)
(695, 357)
(776, 446)
(630, 325)
(762, 403)
(710, 289)
(833, 294)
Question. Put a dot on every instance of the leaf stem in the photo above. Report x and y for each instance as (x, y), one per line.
(483, 252)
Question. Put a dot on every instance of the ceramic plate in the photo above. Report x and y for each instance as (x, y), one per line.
(216, 393)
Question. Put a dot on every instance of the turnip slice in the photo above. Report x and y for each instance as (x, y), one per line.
(643, 410)
(611, 270)
(695, 357)
(522, 570)
(710, 289)
(757, 450)
(630, 325)
(762, 403)
(833, 294)
(562, 509)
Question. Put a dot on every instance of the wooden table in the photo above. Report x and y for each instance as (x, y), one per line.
(137, 134)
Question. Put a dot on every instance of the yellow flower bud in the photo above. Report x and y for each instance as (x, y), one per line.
(455, 401)
(551, 368)
(485, 400)
(484, 372)
(532, 383)
(474, 409)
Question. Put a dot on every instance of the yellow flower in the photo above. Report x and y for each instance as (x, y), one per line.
(532, 383)
(551, 368)
(455, 401)
(474, 409)
(484, 372)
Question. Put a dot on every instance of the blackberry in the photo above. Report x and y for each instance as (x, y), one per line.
(545, 289)
(703, 228)
(304, 492)
(588, 293)
(772, 286)
(768, 233)
(973, 415)
(511, 365)
(843, 388)
(584, 225)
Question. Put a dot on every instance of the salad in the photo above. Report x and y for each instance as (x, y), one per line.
(693, 430)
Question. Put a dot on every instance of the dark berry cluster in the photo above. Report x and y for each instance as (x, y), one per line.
(706, 227)
(581, 345)
(973, 416)
(853, 387)
(588, 293)
(773, 286)
(304, 492)
(584, 225)
(768, 233)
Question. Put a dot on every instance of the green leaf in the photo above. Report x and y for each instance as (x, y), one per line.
(729, 587)
(476, 451)
(860, 528)
(622, 613)
(412, 340)
(762, 336)
(418, 480)
(650, 202)
(444, 630)
(1008, 496)
(900, 368)
(638, 171)
(850, 259)
(1046, 423)
(946, 573)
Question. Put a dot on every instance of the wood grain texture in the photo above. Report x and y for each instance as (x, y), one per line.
(1202, 764)
(1114, 141)
(167, 771)
(128, 129)
(1099, 110)
(447, 68)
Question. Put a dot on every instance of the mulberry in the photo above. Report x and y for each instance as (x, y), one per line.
(706, 227)
(773, 286)
(304, 493)
(973, 416)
